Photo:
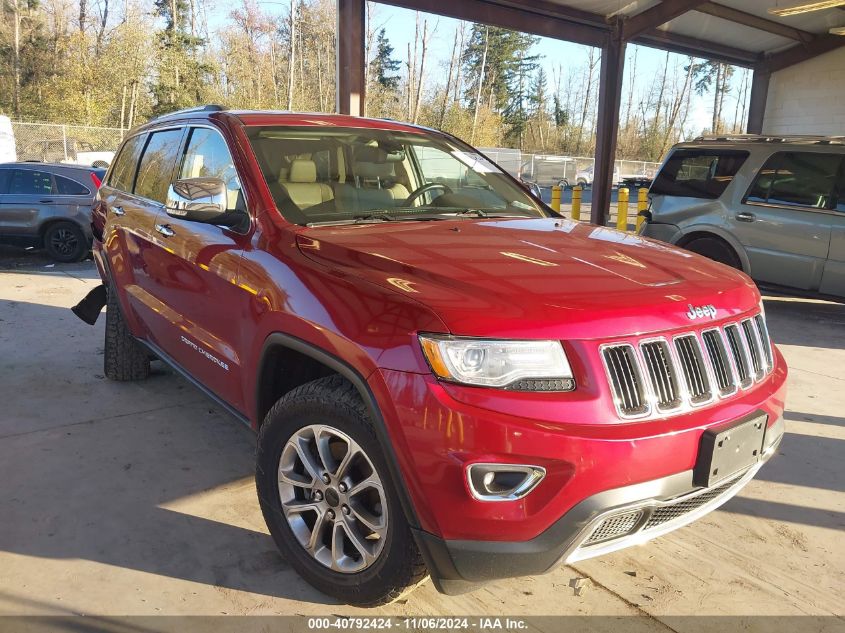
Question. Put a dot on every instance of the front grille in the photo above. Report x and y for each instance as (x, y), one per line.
(614, 527)
(763, 332)
(739, 356)
(654, 377)
(754, 348)
(692, 367)
(718, 357)
(621, 363)
(675, 510)
(661, 374)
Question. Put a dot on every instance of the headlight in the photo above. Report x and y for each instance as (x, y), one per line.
(517, 365)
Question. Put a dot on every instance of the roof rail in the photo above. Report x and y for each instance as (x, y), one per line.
(212, 107)
(773, 138)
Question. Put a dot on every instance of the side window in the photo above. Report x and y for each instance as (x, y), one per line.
(5, 175)
(68, 187)
(207, 155)
(31, 182)
(797, 179)
(156, 166)
(694, 173)
(123, 172)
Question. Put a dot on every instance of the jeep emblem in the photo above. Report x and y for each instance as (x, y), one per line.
(700, 312)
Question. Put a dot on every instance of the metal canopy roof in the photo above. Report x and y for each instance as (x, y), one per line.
(740, 32)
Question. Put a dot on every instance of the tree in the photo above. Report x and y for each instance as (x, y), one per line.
(182, 76)
(383, 66)
(716, 75)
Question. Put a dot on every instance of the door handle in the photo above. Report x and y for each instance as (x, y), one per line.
(165, 230)
(46, 201)
(745, 216)
(118, 211)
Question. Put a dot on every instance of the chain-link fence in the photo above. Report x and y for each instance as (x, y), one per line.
(56, 143)
(548, 170)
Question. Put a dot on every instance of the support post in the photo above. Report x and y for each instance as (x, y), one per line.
(607, 126)
(351, 30)
(757, 102)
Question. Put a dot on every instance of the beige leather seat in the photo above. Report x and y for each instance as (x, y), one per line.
(384, 175)
(302, 185)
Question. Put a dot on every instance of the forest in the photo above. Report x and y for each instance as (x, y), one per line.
(119, 62)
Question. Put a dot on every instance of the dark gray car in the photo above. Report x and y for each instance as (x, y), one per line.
(773, 207)
(47, 205)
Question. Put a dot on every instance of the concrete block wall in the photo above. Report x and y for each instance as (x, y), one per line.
(808, 98)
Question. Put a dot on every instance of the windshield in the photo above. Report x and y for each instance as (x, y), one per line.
(333, 175)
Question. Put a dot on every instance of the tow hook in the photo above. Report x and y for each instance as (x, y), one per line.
(90, 307)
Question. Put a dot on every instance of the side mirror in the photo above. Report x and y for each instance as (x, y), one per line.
(199, 200)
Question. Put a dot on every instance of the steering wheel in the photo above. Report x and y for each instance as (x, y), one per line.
(429, 186)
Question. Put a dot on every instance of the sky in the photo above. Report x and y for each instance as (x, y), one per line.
(555, 55)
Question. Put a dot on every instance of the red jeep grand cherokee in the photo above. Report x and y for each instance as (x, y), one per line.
(446, 377)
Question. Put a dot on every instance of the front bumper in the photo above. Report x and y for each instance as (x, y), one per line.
(603, 523)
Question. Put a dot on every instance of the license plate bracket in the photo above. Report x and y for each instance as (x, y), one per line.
(729, 450)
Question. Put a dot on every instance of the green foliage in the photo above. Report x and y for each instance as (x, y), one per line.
(383, 66)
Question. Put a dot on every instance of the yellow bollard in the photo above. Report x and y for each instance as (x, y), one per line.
(575, 214)
(622, 210)
(556, 198)
(642, 205)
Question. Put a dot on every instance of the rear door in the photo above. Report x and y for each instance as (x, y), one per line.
(194, 275)
(833, 280)
(133, 196)
(784, 220)
(30, 197)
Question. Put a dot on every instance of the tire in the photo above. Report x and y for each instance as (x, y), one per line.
(124, 359)
(65, 242)
(563, 184)
(330, 409)
(716, 249)
(583, 183)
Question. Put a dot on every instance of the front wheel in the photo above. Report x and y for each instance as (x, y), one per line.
(326, 495)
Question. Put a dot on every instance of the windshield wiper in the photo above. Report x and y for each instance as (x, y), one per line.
(478, 212)
(379, 216)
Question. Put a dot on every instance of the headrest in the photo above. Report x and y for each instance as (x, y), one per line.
(373, 170)
(302, 170)
(373, 154)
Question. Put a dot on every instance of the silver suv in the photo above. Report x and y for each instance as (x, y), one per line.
(48, 206)
(773, 207)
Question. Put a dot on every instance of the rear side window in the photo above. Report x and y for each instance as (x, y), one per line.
(698, 173)
(68, 187)
(797, 179)
(31, 182)
(123, 172)
(156, 166)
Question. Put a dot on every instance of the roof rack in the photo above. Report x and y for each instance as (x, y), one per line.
(773, 138)
(212, 107)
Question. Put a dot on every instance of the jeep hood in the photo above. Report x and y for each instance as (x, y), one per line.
(533, 278)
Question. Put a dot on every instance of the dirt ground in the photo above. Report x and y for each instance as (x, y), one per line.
(138, 498)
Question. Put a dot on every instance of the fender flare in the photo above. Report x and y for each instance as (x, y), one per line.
(363, 388)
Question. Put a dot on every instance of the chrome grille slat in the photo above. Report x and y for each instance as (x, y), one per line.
(661, 373)
(692, 368)
(739, 355)
(754, 349)
(659, 376)
(626, 383)
(765, 342)
(718, 356)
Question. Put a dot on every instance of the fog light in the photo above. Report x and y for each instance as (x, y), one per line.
(503, 482)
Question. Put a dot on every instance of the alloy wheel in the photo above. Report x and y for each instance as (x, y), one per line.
(64, 242)
(333, 498)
